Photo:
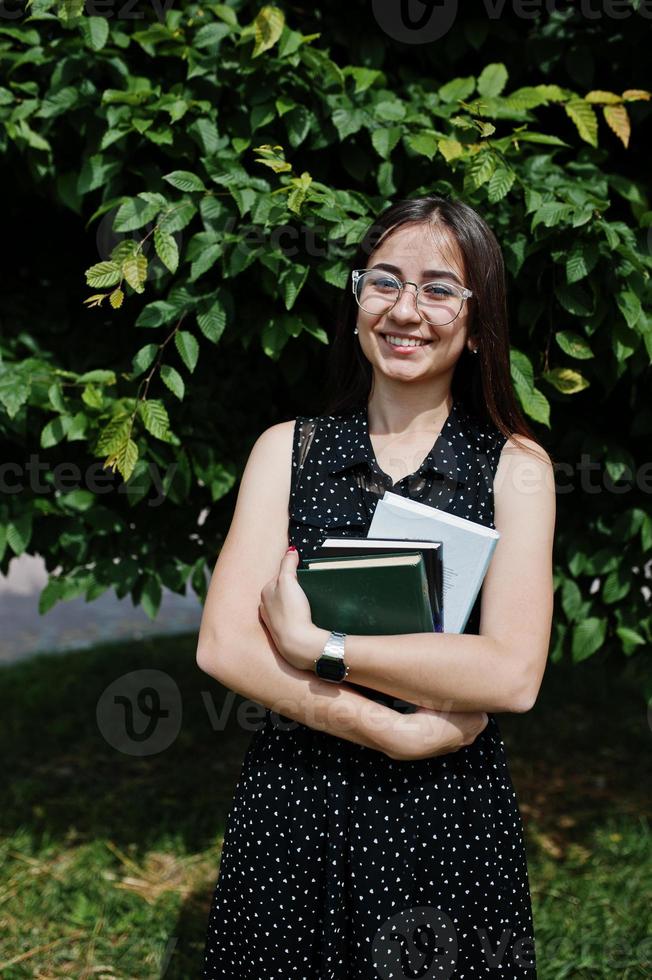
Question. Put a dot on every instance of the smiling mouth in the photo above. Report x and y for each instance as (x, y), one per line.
(403, 342)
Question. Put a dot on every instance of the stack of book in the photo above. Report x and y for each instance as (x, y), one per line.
(418, 570)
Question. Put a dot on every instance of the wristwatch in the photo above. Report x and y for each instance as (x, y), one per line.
(330, 666)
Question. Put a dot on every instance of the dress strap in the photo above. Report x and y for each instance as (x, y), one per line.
(305, 428)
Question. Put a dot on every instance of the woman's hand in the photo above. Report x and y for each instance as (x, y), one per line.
(285, 611)
(425, 733)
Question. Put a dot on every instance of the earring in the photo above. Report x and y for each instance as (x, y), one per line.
(355, 330)
(475, 350)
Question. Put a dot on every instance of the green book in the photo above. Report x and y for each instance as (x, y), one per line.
(369, 594)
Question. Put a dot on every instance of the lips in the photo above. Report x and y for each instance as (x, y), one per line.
(424, 342)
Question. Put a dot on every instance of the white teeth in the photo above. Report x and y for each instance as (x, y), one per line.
(404, 341)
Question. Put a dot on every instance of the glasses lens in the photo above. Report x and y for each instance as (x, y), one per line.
(376, 292)
(439, 302)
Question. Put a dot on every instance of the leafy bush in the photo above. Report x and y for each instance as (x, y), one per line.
(227, 162)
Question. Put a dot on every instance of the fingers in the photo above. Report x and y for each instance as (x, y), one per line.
(289, 561)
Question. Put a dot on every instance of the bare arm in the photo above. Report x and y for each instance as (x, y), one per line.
(234, 645)
(501, 668)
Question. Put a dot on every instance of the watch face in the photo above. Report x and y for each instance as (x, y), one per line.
(330, 670)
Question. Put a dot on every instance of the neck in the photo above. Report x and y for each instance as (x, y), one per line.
(410, 410)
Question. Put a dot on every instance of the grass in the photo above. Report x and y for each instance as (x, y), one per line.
(109, 859)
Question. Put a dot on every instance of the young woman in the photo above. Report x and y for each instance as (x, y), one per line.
(362, 841)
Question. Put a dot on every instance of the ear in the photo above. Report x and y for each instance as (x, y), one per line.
(471, 343)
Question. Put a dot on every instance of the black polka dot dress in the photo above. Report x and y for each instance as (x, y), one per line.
(339, 863)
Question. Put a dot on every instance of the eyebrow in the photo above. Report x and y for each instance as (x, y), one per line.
(425, 274)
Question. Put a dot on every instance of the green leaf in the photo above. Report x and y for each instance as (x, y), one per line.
(580, 261)
(198, 578)
(551, 213)
(457, 88)
(124, 458)
(521, 369)
(114, 434)
(103, 274)
(14, 391)
(588, 637)
(573, 344)
(98, 376)
(273, 337)
(500, 184)
(135, 213)
(364, 78)
(79, 499)
(347, 121)
(450, 149)
(177, 217)
(297, 123)
(51, 593)
(211, 320)
(134, 270)
(150, 598)
(171, 377)
(95, 31)
(425, 144)
(535, 404)
(268, 27)
(297, 195)
(19, 533)
(155, 417)
(188, 348)
(54, 431)
(292, 282)
(143, 358)
(566, 380)
(630, 306)
(384, 140)
(631, 639)
(574, 298)
(492, 80)
(156, 314)
(571, 600)
(614, 588)
(55, 397)
(585, 119)
(166, 248)
(205, 261)
(184, 180)
(92, 397)
(480, 169)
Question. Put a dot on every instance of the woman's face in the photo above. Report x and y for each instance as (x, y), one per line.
(411, 253)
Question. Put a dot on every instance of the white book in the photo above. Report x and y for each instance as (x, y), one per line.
(468, 547)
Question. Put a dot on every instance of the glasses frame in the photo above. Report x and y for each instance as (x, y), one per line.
(465, 293)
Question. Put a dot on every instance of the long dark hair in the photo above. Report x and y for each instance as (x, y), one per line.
(483, 380)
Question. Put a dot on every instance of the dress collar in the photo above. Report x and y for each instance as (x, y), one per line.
(356, 446)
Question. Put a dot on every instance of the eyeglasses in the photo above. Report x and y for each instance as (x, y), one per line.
(377, 292)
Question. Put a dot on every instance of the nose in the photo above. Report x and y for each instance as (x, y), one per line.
(406, 305)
